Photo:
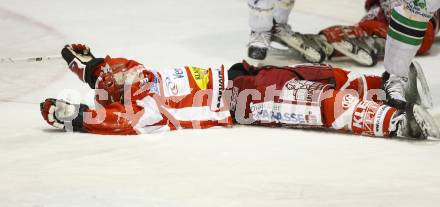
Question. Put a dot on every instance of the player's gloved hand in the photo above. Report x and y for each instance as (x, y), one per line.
(81, 62)
(80, 52)
(63, 115)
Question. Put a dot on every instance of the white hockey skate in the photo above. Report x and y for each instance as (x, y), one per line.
(416, 123)
(264, 50)
(400, 90)
(362, 50)
(313, 48)
(258, 46)
(415, 102)
(395, 88)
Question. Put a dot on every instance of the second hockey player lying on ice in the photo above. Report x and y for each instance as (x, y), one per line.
(132, 99)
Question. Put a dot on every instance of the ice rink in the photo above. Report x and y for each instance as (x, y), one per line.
(241, 166)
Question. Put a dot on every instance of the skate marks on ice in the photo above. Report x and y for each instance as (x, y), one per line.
(26, 37)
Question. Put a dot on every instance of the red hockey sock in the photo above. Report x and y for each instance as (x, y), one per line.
(345, 111)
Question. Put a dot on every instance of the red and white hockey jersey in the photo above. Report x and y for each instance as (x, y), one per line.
(311, 96)
(186, 97)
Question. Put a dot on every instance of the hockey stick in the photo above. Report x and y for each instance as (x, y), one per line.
(30, 59)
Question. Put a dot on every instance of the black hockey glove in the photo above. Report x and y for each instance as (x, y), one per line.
(81, 62)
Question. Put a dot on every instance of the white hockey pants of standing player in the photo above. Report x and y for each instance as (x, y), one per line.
(408, 24)
(263, 12)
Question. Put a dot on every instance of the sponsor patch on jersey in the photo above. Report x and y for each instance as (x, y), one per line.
(348, 101)
(379, 120)
(302, 91)
(364, 117)
(201, 76)
(218, 87)
(175, 82)
(286, 113)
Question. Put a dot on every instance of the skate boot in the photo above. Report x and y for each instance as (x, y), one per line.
(309, 46)
(415, 123)
(258, 46)
(394, 87)
(400, 90)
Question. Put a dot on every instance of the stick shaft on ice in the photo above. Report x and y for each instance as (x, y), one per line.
(30, 59)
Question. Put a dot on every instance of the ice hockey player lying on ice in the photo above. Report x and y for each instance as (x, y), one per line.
(132, 99)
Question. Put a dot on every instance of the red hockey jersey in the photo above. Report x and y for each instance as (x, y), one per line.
(310, 96)
(186, 97)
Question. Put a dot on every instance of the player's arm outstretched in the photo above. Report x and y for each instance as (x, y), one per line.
(108, 117)
(131, 99)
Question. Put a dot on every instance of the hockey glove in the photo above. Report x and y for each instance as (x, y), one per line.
(77, 51)
(63, 115)
(81, 62)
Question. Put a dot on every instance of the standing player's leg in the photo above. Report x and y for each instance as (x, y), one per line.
(261, 23)
(282, 11)
(408, 24)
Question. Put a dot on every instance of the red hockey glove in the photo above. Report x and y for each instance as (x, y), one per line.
(62, 114)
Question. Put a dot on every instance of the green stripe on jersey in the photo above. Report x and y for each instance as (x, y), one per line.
(408, 22)
(403, 38)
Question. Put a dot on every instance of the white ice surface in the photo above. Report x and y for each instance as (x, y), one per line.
(241, 166)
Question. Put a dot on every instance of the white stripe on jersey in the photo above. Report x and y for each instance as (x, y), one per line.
(201, 113)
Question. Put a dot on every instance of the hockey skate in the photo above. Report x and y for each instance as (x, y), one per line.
(313, 48)
(259, 44)
(405, 95)
(362, 50)
(401, 90)
(414, 94)
(264, 50)
(416, 123)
